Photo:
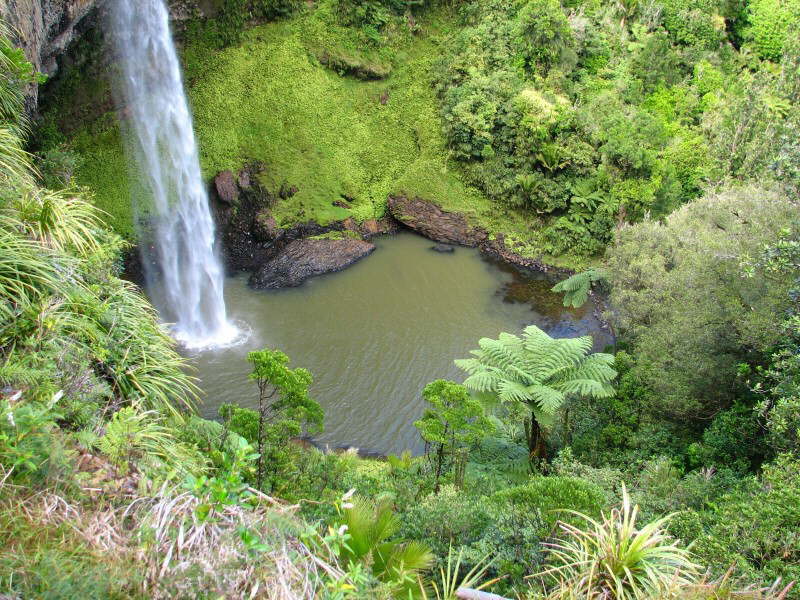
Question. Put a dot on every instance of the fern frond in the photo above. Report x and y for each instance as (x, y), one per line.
(512, 391)
(587, 388)
(576, 288)
(470, 365)
(547, 399)
(501, 352)
(484, 380)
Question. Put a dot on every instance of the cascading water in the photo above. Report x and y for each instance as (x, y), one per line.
(184, 272)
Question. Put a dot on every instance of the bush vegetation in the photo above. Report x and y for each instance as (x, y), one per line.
(655, 141)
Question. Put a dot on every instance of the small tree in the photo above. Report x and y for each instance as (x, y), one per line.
(454, 422)
(538, 372)
(284, 407)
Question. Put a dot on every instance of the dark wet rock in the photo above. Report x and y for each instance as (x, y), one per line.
(302, 259)
(434, 223)
(227, 190)
(443, 248)
(373, 227)
(265, 228)
(287, 191)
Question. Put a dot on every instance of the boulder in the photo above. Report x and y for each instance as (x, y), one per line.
(434, 223)
(225, 184)
(302, 259)
(244, 179)
(372, 227)
(265, 228)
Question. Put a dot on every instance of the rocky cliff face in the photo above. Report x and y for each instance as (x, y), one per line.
(45, 29)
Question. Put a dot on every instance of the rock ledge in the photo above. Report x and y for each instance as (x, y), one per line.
(305, 258)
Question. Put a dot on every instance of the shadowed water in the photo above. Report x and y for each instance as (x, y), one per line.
(376, 333)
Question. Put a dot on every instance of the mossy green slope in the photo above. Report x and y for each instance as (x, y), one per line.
(334, 138)
(341, 141)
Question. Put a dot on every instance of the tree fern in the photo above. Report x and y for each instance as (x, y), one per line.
(577, 287)
(540, 372)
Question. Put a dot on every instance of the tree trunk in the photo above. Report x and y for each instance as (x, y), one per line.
(537, 450)
(439, 463)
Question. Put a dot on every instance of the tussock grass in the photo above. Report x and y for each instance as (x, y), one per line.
(154, 547)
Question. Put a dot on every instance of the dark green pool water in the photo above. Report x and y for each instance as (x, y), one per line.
(375, 334)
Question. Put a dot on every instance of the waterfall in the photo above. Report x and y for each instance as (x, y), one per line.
(184, 272)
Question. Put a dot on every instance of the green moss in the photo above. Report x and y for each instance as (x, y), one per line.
(335, 138)
(104, 171)
(336, 235)
(332, 137)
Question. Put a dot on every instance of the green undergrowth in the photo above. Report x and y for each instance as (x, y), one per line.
(344, 142)
(336, 138)
(103, 170)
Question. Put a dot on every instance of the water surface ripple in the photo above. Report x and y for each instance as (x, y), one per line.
(375, 334)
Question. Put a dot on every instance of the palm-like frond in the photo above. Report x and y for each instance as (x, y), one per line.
(397, 560)
(59, 219)
(538, 370)
(370, 524)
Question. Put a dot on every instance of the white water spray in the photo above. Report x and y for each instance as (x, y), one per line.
(177, 237)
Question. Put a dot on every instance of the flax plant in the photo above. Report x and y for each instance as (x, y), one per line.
(613, 559)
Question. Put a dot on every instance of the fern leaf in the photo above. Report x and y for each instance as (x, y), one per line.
(576, 288)
(547, 399)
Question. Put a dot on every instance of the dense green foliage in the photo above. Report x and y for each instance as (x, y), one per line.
(539, 373)
(658, 138)
(671, 279)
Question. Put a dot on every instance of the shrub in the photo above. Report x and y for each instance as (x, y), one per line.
(667, 278)
(770, 23)
(734, 439)
(697, 24)
(757, 528)
(552, 498)
(451, 517)
(544, 32)
(141, 439)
